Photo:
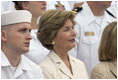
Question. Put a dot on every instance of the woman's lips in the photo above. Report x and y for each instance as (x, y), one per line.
(72, 40)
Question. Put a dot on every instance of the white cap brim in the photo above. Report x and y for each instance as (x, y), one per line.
(14, 17)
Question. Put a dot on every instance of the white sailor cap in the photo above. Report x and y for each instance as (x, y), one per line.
(13, 17)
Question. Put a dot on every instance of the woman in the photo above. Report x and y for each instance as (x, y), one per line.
(56, 33)
(107, 69)
(37, 52)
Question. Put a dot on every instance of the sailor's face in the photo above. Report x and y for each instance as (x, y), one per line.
(18, 37)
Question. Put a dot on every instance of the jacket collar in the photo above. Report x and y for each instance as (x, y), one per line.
(61, 65)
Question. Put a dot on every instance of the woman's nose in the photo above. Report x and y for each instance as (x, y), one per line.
(74, 32)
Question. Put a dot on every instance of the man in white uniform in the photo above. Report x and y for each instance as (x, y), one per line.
(15, 41)
(91, 21)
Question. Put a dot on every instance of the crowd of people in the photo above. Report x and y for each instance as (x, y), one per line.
(59, 40)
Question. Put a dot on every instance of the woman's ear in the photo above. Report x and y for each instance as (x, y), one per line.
(25, 5)
(3, 36)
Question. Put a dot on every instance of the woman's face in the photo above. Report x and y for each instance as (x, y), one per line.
(65, 38)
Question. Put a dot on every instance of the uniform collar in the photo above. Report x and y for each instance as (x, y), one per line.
(23, 66)
(89, 16)
(87, 13)
(109, 18)
(23, 62)
(4, 60)
(63, 68)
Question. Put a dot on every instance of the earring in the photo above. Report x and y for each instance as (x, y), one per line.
(53, 42)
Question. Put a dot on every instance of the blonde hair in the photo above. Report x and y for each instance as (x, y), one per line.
(108, 45)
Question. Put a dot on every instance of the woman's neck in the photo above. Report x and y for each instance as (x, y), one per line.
(63, 54)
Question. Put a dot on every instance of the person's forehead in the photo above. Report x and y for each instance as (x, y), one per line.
(20, 25)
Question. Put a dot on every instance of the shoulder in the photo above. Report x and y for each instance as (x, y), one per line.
(28, 61)
(77, 9)
(34, 68)
(100, 70)
(101, 66)
(48, 67)
(77, 61)
(110, 18)
(47, 61)
(31, 64)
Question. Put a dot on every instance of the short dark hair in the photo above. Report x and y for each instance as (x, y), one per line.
(18, 5)
(50, 22)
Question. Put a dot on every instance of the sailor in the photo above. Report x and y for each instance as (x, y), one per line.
(91, 21)
(15, 41)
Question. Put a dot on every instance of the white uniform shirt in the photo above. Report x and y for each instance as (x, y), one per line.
(113, 8)
(36, 52)
(25, 70)
(54, 68)
(7, 6)
(89, 35)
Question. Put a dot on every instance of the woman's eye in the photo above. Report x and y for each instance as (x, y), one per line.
(66, 29)
(72, 27)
